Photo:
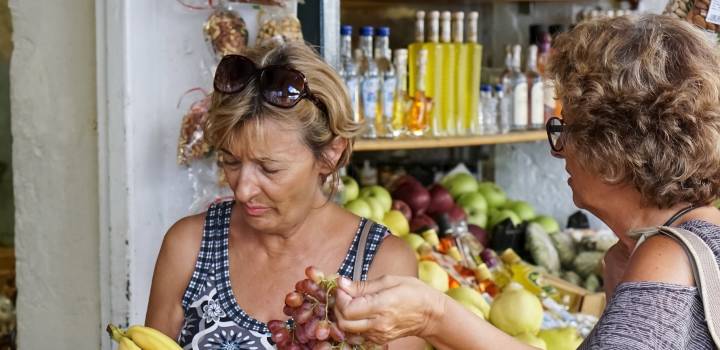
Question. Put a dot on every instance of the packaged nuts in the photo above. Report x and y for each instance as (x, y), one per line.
(192, 144)
(280, 24)
(697, 12)
(226, 32)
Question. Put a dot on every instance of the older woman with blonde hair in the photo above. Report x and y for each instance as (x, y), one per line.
(640, 136)
(282, 122)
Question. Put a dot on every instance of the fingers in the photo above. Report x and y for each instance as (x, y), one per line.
(360, 288)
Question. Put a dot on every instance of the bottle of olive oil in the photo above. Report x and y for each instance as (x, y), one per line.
(447, 80)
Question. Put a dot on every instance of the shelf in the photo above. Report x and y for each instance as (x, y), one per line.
(363, 145)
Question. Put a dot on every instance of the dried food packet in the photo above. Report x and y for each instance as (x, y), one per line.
(703, 13)
(279, 24)
(226, 32)
(192, 144)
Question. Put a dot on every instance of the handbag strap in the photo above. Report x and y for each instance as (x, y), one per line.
(360, 253)
(705, 270)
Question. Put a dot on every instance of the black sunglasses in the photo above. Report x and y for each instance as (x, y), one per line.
(280, 86)
(554, 128)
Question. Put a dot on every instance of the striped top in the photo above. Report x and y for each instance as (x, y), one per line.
(213, 318)
(654, 315)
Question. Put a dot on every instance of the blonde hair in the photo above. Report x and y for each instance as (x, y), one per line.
(229, 114)
(641, 97)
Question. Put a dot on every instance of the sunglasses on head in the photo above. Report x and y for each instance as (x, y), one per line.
(279, 85)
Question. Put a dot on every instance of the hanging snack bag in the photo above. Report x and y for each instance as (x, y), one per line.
(226, 32)
(279, 24)
(703, 13)
(192, 144)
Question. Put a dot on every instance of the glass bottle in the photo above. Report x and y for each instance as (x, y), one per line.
(535, 90)
(475, 63)
(421, 104)
(504, 105)
(462, 75)
(370, 85)
(433, 74)
(519, 88)
(348, 71)
(388, 82)
(414, 48)
(400, 106)
(489, 121)
(447, 97)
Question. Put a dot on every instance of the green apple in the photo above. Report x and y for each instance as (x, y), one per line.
(477, 217)
(414, 240)
(532, 340)
(397, 223)
(548, 223)
(561, 338)
(380, 194)
(460, 184)
(431, 237)
(351, 190)
(473, 200)
(494, 195)
(516, 311)
(523, 209)
(359, 207)
(378, 212)
(434, 275)
(499, 216)
(472, 297)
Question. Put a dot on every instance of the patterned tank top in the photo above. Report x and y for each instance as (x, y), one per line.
(213, 318)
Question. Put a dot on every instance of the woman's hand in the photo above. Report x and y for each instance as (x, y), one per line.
(388, 308)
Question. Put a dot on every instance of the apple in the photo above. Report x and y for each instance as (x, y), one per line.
(360, 208)
(457, 214)
(516, 311)
(397, 223)
(473, 200)
(462, 183)
(434, 275)
(523, 209)
(351, 190)
(440, 200)
(446, 180)
(566, 338)
(377, 209)
(380, 194)
(494, 195)
(465, 294)
(414, 194)
(498, 216)
(414, 240)
(532, 340)
(422, 222)
(548, 223)
(477, 217)
(403, 208)
(480, 233)
(431, 237)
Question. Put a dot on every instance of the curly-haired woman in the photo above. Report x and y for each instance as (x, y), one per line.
(640, 136)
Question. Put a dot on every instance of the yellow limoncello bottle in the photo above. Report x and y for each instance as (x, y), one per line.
(433, 75)
(525, 274)
(413, 50)
(474, 64)
(461, 77)
(417, 119)
(447, 80)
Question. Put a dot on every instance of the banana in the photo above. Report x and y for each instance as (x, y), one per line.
(141, 338)
(151, 339)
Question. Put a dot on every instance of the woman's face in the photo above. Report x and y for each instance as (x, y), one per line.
(274, 176)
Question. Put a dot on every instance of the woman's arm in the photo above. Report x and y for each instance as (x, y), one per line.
(394, 307)
(173, 271)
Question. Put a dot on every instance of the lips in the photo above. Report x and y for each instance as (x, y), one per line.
(255, 210)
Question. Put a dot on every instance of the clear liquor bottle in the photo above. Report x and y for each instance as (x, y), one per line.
(519, 87)
(388, 83)
(370, 83)
(536, 106)
(400, 107)
(349, 71)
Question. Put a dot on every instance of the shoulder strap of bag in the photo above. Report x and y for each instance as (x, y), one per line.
(705, 271)
(360, 253)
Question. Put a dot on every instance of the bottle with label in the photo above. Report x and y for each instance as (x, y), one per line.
(417, 122)
(413, 50)
(400, 105)
(462, 74)
(504, 108)
(447, 80)
(474, 113)
(525, 274)
(388, 82)
(519, 87)
(433, 75)
(349, 72)
(370, 83)
(536, 101)
(552, 106)
(489, 121)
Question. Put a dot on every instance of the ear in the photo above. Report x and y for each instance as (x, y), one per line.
(332, 154)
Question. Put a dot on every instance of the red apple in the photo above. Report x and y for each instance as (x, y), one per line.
(401, 181)
(440, 200)
(480, 234)
(421, 223)
(414, 194)
(403, 208)
(456, 214)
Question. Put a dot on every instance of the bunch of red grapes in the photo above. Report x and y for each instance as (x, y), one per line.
(313, 325)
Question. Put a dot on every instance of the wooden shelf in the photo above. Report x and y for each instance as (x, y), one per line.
(363, 145)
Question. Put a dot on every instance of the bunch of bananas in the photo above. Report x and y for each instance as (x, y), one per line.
(141, 338)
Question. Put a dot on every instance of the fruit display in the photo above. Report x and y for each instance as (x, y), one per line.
(313, 325)
(497, 256)
(141, 338)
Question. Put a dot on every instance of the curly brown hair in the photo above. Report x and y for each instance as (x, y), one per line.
(641, 99)
(234, 116)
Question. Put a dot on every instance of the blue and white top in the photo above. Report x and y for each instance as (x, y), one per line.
(213, 318)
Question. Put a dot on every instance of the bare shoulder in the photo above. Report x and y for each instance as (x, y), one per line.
(394, 257)
(181, 245)
(660, 259)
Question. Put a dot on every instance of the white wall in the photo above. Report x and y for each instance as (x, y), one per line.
(55, 171)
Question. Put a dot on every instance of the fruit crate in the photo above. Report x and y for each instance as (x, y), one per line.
(582, 300)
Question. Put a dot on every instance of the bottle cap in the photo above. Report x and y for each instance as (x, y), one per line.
(346, 30)
(485, 88)
(382, 31)
(366, 31)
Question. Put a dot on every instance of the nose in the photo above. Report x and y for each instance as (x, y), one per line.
(247, 186)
